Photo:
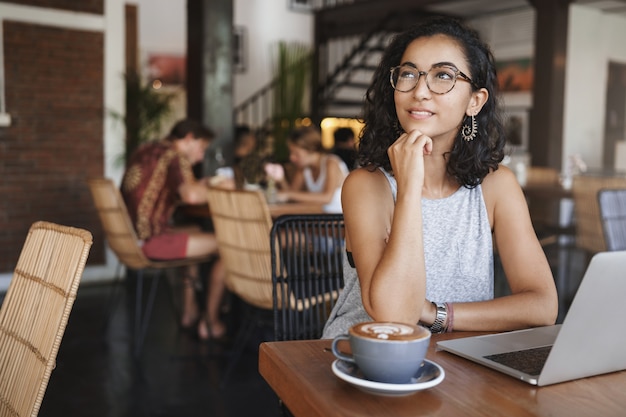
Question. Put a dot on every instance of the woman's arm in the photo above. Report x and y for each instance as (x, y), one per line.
(392, 277)
(533, 299)
(193, 192)
(296, 183)
(386, 240)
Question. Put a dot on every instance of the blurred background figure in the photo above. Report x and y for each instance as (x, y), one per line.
(245, 163)
(159, 176)
(345, 146)
(318, 175)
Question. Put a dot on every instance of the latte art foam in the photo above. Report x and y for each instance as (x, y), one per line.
(383, 331)
(389, 331)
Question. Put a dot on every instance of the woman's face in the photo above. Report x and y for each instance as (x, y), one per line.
(435, 115)
(246, 146)
(195, 150)
(300, 157)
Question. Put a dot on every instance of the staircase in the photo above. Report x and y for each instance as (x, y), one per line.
(352, 35)
(342, 92)
(351, 62)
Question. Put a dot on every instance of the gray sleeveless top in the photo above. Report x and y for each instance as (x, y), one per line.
(458, 253)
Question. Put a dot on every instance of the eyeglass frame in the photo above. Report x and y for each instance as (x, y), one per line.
(457, 74)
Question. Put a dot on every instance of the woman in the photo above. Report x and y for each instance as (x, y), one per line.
(319, 175)
(431, 202)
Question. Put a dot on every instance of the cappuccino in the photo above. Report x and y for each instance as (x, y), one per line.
(389, 331)
(385, 351)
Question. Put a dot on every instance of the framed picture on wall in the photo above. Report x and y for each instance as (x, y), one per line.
(516, 128)
(515, 75)
(240, 49)
(166, 69)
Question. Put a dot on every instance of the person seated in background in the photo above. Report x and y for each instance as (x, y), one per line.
(319, 175)
(345, 146)
(159, 175)
(234, 177)
(245, 147)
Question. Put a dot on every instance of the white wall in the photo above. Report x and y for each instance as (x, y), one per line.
(594, 39)
(267, 22)
(162, 26)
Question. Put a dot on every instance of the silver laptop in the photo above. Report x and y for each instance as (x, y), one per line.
(591, 340)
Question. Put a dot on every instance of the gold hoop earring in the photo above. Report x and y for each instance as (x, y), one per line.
(468, 131)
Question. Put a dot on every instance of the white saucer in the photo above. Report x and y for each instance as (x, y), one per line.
(429, 375)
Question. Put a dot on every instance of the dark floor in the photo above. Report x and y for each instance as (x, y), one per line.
(176, 375)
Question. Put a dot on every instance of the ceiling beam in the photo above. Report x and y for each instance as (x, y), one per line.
(364, 16)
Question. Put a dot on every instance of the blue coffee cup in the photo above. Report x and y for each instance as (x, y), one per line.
(385, 351)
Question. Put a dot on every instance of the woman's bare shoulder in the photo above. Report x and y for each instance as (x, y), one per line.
(365, 187)
(368, 204)
(365, 176)
(501, 189)
(500, 180)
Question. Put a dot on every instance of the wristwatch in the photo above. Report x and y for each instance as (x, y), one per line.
(440, 318)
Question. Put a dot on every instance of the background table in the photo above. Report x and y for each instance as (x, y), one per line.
(300, 374)
(277, 209)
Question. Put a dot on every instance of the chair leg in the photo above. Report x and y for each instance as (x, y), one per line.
(174, 291)
(142, 318)
(113, 297)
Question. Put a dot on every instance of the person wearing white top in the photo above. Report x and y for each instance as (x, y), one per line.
(319, 175)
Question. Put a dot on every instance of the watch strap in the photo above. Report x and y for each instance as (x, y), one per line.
(438, 325)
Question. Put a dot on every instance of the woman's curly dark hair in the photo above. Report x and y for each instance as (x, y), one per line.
(468, 162)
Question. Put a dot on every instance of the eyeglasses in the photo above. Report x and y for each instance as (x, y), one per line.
(440, 79)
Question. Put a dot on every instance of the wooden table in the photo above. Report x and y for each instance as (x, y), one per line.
(544, 204)
(546, 191)
(300, 374)
(277, 209)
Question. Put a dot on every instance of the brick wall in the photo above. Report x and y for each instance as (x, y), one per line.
(54, 94)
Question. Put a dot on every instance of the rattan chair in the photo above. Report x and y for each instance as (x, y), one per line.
(612, 206)
(35, 312)
(123, 241)
(307, 272)
(589, 232)
(242, 224)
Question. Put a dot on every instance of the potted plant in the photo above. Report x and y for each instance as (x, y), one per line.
(292, 75)
(146, 110)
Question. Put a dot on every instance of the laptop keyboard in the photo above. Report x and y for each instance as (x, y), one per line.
(529, 361)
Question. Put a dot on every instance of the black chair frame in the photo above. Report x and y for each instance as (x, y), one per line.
(307, 272)
(612, 206)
